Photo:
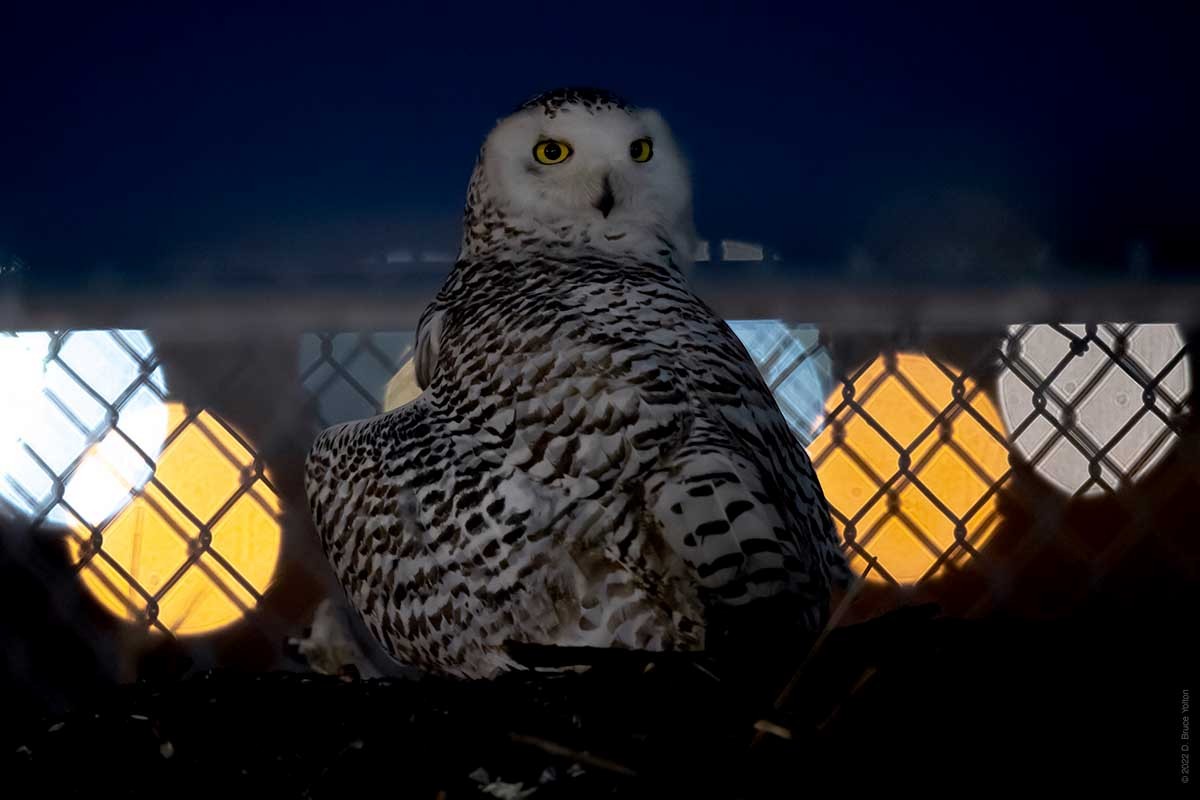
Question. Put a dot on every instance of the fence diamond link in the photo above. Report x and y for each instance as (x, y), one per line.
(918, 431)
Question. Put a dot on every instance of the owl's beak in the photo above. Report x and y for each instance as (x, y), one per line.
(606, 201)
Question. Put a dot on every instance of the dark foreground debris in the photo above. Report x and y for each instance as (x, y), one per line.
(926, 702)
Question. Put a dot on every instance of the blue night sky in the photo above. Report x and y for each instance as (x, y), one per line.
(143, 142)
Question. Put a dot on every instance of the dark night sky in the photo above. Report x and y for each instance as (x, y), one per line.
(143, 143)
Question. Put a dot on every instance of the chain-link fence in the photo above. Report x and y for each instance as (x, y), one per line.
(151, 481)
(954, 474)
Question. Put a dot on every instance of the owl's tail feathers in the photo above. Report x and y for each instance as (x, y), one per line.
(714, 512)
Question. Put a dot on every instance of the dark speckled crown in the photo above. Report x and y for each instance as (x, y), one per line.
(590, 99)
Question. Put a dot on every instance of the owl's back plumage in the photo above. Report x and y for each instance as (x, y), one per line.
(594, 461)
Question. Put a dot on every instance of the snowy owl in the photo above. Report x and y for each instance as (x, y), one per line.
(594, 460)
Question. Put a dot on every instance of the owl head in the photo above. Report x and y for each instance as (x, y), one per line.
(580, 166)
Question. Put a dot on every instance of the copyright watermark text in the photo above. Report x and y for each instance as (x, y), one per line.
(1185, 742)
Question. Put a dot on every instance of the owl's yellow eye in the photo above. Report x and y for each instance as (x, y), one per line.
(551, 152)
(641, 150)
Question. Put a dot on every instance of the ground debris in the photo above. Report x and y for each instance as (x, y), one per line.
(866, 706)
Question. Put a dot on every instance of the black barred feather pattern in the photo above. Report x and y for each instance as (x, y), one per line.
(595, 461)
(584, 97)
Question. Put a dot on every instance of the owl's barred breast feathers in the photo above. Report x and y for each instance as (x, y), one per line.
(595, 459)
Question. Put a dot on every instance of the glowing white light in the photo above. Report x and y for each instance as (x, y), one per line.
(1093, 399)
(21, 357)
(794, 366)
(55, 412)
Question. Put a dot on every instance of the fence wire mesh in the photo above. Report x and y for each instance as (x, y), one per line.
(1017, 468)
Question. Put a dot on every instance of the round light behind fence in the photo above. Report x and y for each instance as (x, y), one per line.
(1073, 409)
(924, 498)
(56, 409)
(795, 367)
(204, 477)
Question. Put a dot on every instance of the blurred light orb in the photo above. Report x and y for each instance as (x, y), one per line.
(22, 357)
(52, 415)
(902, 528)
(210, 473)
(402, 388)
(1094, 399)
(794, 366)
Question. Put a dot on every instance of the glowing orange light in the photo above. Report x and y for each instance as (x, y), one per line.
(205, 469)
(908, 539)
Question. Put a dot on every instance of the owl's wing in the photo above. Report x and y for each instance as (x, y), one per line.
(411, 516)
(359, 477)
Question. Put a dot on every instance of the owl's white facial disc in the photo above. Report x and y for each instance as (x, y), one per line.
(600, 193)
